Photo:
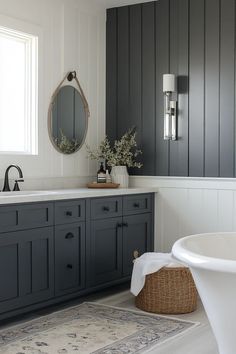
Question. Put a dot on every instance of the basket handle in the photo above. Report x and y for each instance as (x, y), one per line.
(135, 254)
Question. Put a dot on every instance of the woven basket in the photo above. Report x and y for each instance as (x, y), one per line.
(169, 291)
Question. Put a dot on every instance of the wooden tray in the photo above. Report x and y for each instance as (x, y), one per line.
(103, 185)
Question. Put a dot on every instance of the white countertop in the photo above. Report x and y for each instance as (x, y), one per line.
(60, 194)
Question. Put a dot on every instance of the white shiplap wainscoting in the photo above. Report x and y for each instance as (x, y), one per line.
(186, 206)
(72, 36)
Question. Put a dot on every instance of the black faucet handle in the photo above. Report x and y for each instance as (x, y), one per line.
(16, 185)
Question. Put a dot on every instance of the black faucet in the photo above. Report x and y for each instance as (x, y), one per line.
(6, 187)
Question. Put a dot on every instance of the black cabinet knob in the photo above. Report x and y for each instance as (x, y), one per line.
(119, 224)
(70, 266)
(106, 208)
(136, 205)
(69, 235)
(69, 213)
(125, 224)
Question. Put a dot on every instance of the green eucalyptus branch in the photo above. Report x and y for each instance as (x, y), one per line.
(123, 153)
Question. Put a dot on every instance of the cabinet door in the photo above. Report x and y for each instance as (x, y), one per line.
(105, 259)
(26, 268)
(69, 258)
(137, 233)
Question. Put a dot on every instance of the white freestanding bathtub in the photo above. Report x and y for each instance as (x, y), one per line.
(212, 260)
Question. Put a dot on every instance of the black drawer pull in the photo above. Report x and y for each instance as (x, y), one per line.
(136, 205)
(69, 235)
(125, 224)
(106, 208)
(69, 213)
(70, 266)
(119, 224)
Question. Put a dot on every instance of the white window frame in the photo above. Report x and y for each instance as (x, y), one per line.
(31, 89)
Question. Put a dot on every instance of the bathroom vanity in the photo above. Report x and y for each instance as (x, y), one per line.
(59, 245)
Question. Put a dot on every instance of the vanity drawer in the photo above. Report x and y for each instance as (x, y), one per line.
(27, 216)
(136, 204)
(69, 258)
(69, 212)
(102, 208)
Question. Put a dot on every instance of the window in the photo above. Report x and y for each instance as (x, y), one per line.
(18, 92)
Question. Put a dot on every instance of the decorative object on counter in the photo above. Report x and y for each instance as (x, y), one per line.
(108, 177)
(121, 155)
(101, 174)
(103, 185)
(119, 174)
(68, 116)
(92, 328)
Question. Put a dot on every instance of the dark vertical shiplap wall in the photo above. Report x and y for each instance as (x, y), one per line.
(196, 87)
(148, 87)
(212, 82)
(227, 87)
(162, 33)
(179, 65)
(111, 77)
(195, 39)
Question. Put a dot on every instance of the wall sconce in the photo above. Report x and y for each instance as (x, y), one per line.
(169, 86)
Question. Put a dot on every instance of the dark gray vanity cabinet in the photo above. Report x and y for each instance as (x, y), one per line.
(69, 258)
(69, 246)
(67, 212)
(25, 216)
(103, 208)
(136, 240)
(26, 255)
(137, 228)
(26, 267)
(54, 251)
(115, 241)
(105, 254)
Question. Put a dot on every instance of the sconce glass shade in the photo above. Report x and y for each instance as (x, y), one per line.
(169, 83)
(169, 86)
(173, 109)
(167, 117)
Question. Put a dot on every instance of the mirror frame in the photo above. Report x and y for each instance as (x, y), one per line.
(69, 76)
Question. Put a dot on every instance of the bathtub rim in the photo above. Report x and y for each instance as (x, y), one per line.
(196, 260)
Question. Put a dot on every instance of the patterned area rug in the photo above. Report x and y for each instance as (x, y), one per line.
(91, 328)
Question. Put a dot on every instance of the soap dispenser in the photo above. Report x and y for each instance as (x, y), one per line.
(101, 174)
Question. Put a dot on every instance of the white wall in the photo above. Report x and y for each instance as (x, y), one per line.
(72, 37)
(186, 206)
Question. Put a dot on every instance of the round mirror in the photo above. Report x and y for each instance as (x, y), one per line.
(68, 119)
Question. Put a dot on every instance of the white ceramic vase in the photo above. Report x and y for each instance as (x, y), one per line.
(119, 174)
